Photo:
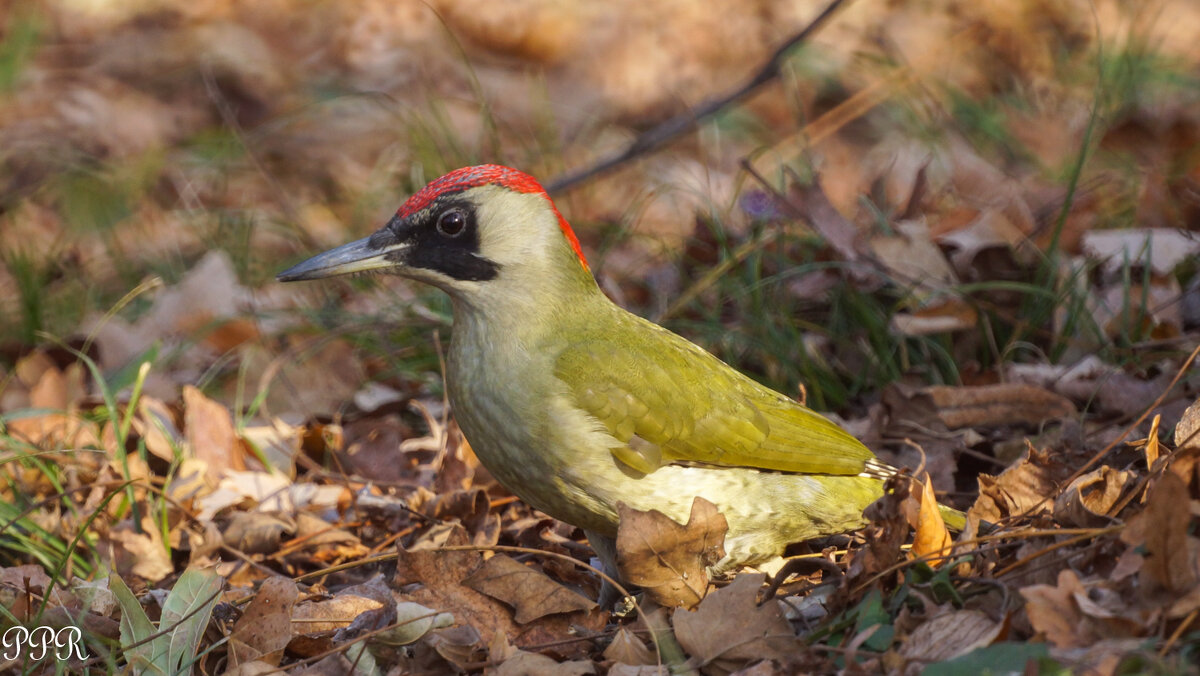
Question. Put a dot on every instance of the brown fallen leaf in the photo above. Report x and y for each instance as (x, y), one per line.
(437, 582)
(945, 315)
(58, 390)
(157, 424)
(472, 508)
(210, 435)
(265, 628)
(728, 630)
(1168, 554)
(1187, 430)
(529, 591)
(670, 560)
(523, 663)
(628, 649)
(257, 532)
(143, 554)
(1001, 404)
(55, 431)
(949, 635)
(1053, 613)
(1072, 614)
(459, 646)
(1090, 500)
(1027, 486)
(323, 542)
(886, 531)
(371, 599)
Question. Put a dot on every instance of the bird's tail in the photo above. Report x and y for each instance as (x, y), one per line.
(955, 520)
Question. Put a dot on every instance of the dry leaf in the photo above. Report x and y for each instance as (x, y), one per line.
(887, 530)
(948, 314)
(931, 536)
(1027, 486)
(994, 405)
(729, 629)
(371, 599)
(838, 232)
(440, 574)
(628, 649)
(257, 532)
(1187, 430)
(1052, 611)
(1089, 500)
(670, 560)
(1162, 249)
(265, 628)
(949, 635)
(1168, 557)
(55, 431)
(143, 554)
(156, 423)
(210, 436)
(530, 592)
(523, 663)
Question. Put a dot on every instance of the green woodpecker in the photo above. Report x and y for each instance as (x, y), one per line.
(575, 404)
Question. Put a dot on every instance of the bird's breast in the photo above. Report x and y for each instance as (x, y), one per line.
(513, 411)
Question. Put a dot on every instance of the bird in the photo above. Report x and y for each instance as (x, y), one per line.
(576, 405)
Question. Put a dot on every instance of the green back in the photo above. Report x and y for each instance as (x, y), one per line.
(669, 402)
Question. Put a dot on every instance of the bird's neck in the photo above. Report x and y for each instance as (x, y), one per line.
(530, 301)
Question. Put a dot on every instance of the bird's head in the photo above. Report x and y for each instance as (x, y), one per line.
(472, 233)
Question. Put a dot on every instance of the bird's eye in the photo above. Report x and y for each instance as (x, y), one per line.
(452, 223)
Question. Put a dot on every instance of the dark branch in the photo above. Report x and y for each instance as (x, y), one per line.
(669, 129)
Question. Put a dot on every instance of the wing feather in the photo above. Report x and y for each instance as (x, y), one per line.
(691, 408)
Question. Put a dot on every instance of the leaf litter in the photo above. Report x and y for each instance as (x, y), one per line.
(338, 515)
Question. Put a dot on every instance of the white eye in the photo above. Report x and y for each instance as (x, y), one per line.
(452, 223)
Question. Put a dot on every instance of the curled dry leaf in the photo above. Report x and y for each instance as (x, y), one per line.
(1090, 500)
(365, 607)
(413, 621)
(257, 532)
(530, 592)
(321, 541)
(1187, 430)
(729, 629)
(932, 537)
(156, 423)
(994, 405)
(265, 628)
(1026, 487)
(886, 532)
(460, 646)
(670, 560)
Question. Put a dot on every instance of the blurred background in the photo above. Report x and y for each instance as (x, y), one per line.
(927, 192)
(968, 229)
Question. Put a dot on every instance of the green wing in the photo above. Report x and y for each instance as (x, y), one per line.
(669, 402)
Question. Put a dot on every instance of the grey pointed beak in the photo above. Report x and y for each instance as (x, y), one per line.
(357, 256)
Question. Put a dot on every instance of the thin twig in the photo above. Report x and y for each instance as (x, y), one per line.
(669, 129)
